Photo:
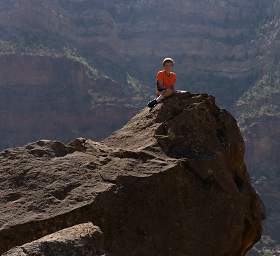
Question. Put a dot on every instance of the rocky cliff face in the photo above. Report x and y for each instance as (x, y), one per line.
(258, 113)
(214, 42)
(172, 181)
(58, 97)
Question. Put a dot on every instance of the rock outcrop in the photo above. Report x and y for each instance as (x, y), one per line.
(79, 240)
(220, 47)
(172, 181)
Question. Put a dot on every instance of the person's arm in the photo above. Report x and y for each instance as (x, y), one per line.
(159, 82)
(174, 83)
(158, 88)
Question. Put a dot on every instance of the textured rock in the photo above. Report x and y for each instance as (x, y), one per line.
(171, 182)
(79, 240)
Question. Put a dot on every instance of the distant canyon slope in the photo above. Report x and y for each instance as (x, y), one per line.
(215, 43)
(58, 97)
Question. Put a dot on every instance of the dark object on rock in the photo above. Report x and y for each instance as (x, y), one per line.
(152, 103)
(171, 182)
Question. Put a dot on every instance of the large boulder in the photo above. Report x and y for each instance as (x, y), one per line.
(172, 181)
(79, 240)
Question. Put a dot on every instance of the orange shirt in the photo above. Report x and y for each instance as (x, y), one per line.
(167, 81)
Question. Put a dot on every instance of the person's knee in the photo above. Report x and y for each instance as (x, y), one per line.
(169, 92)
(158, 93)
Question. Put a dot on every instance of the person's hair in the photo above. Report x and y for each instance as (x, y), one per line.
(168, 60)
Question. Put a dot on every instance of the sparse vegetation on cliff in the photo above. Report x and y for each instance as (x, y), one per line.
(261, 99)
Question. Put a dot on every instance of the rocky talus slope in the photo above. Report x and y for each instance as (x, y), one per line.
(172, 181)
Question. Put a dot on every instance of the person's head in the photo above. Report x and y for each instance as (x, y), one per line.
(168, 64)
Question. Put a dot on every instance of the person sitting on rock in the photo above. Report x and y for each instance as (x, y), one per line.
(166, 80)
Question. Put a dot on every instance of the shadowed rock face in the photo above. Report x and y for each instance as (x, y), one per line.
(79, 240)
(172, 181)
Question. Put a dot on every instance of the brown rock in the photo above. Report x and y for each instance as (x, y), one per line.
(171, 182)
(79, 240)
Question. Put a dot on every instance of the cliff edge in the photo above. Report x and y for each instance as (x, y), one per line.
(172, 181)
